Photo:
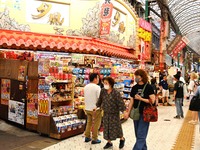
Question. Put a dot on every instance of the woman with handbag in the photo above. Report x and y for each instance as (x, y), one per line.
(197, 94)
(195, 102)
(192, 89)
(141, 95)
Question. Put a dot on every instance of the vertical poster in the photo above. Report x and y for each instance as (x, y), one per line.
(105, 20)
(43, 100)
(43, 67)
(5, 91)
(32, 108)
(21, 73)
(16, 112)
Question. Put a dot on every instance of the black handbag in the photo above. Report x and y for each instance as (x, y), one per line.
(195, 103)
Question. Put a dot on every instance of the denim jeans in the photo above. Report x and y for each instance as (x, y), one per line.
(179, 109)
(141, 131)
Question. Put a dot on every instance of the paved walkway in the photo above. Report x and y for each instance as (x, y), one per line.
(14, 138)
(162, 134)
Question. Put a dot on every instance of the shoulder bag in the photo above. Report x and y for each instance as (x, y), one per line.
(150, 113)
(135, 114)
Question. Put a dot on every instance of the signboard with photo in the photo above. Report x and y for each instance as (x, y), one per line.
(32, 108)
(43, 67)
(16, 112)
(78, 58)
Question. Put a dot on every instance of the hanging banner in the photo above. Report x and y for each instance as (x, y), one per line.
(105, 19)
(173, 43)
(177, 49)
(144, 33)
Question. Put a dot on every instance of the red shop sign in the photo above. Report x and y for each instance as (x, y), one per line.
(178, 48)
(145, 25)
(106, 14)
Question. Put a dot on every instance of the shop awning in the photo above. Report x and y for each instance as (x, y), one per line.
(58, 43)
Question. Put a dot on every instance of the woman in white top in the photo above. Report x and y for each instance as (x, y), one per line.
(191, 89)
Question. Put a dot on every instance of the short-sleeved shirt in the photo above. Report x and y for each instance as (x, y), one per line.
(164, 84)
(191, 85)
(137, 89)
(178, 87)
(91, 94)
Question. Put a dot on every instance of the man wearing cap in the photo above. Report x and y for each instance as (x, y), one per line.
(178, 96)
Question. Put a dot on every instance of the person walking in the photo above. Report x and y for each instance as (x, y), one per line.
(185, 93)
(91, 94)
(154, 85)
(178, 96)
(141, 127)
(192, 89)
(165, 90)
(198, 95)
(112, 103)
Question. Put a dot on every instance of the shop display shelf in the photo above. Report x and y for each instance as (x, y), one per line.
(127, 86)
(54, 103)
(68, 91)
(65, 133)
(62, 82)
(127, 91)
(126, 97)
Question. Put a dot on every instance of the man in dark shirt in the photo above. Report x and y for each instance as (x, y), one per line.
(165, 90)
(178, 96)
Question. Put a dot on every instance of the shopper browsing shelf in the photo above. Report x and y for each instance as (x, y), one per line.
(112, 103)
(141, 93)
(91, 94)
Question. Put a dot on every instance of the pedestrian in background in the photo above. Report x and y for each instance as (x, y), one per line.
(154, 86)
(91, 94)
(141, 127)
(112, 103)
(178, 96)
(165, 90)
(192, 89)
(185, 93)
(198, 95)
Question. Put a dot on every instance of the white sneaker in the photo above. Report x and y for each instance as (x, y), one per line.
(193, 122)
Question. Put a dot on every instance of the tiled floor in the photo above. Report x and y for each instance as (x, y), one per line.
(162, 134)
